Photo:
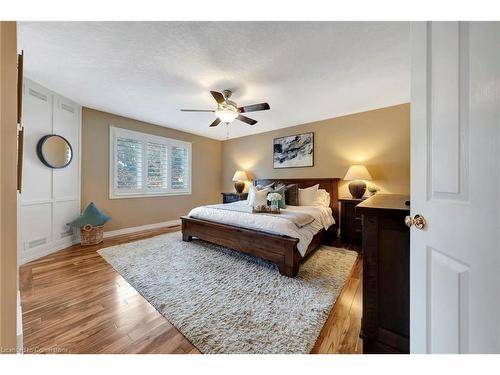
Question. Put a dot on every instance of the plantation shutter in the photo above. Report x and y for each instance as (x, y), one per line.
(148, 165)
(157, 170)
(180, 168)
(128, 164)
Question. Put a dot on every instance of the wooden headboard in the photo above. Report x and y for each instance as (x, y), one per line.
(329, 184)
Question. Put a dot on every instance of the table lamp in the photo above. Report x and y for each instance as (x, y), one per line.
(356, 174)
(239, 179)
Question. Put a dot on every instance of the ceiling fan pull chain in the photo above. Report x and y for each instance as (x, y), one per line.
(227, 130)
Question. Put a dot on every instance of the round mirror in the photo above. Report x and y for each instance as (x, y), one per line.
(54, 151)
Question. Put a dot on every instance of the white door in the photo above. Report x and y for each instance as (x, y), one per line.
(455, 127)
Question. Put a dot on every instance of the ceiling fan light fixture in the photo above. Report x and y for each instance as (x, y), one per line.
(226, 114)
(227, 111)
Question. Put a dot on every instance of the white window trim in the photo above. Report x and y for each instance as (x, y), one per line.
(115, 132)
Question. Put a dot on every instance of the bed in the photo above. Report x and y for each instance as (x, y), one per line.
(281, 249)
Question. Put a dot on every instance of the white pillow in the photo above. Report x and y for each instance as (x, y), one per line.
(307, 196)
(322, 198)
(257, 197)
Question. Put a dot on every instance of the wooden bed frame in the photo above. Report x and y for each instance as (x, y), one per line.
(279, 249)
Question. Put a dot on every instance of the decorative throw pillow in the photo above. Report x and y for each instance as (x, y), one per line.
(306, 196)
(251, 194)
(292, 195)
(257, 197)
(91, 215)
(262, 187)
(280, 189)
(322, 198)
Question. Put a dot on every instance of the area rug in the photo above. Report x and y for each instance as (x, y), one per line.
(226, 302)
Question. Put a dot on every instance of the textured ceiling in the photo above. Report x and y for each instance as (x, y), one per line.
(306, 71)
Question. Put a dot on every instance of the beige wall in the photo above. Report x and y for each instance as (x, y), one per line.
(133, 212)
(380, 139)
(8, 193)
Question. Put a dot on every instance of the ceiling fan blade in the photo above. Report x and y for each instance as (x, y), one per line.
(219, 98)
(248, 120)
(197, 110)
(215, 123)
(254, 107)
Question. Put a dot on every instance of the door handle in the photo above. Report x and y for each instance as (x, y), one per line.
(418, 221)
(408, 221)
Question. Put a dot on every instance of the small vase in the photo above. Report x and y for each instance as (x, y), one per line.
(275, 206)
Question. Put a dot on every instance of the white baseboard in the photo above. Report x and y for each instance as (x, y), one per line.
(46, 250)
(64, 243)
(141, 228)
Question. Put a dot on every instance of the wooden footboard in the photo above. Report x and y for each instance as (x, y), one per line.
(281, 250)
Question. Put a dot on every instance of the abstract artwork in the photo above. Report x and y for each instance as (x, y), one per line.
(294, 151)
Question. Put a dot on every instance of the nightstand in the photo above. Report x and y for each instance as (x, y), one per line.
(350, 221)
(233, 197)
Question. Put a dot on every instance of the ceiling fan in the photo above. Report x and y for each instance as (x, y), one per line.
(227, 110)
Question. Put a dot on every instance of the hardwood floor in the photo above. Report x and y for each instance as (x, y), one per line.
(75, 302)
(340, 334)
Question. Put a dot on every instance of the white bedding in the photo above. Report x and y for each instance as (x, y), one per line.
(271, 224)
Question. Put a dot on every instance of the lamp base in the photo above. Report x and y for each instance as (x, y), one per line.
(357, 189)
(239, 186)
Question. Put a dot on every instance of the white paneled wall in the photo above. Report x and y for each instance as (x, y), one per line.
(50, 197)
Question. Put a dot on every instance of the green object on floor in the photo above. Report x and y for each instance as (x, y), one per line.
(91, 215)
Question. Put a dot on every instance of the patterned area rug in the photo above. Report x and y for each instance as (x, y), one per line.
(227, 302)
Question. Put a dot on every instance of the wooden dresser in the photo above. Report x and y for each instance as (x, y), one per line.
(385, 326)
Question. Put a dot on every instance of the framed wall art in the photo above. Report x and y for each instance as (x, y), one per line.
(294, 151)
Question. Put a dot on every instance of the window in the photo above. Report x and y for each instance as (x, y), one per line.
(148, 165)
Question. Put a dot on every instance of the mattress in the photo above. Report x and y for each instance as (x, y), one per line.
(323, 219)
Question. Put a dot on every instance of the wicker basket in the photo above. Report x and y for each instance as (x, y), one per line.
(91, 235)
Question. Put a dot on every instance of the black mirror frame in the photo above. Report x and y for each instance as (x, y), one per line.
(39, 152)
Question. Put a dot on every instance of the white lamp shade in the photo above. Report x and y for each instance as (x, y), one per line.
(240, 176)
(357, 172)
(226, 115)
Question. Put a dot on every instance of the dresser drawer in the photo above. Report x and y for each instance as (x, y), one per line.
(351, 224)
(354, 232)
(354, 221)
(233, 197)
(230, 198)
